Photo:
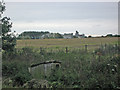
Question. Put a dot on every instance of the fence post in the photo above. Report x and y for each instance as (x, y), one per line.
(102, 47)
(41, 51)
(116, 48)
(105, 46)
(66, 49)
(116, 45)
(86, 48)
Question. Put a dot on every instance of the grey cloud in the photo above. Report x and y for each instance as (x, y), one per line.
(62, 12)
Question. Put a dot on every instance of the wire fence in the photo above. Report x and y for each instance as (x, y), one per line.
(85, 48)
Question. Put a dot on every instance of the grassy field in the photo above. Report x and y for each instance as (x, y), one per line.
(61, 43)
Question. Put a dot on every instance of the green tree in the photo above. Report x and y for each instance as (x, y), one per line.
(57, 35)
(8, 38)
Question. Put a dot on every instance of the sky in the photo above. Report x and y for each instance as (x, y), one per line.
(90, 18)
(62, 0)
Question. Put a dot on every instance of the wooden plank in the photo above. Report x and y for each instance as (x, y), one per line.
(47, 62)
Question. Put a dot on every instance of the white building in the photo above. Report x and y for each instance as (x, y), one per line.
(81, 36)
(68, 36)
(77, 35)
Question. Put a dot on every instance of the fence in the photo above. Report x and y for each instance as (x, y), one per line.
(85, 48)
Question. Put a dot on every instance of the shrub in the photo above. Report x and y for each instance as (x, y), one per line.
(17, 71)
(21, 78)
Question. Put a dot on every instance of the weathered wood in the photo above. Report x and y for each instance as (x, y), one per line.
(47, 62)
(66, 49)
(86, 48)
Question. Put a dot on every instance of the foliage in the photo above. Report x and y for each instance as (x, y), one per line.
(31, 34)
(17, 71)
(38, 35)
(79, 69)
(21, 78)
(56, 85)
(2, 7)
(111, 35)
(8, 38)
(57, 35)
(36, 84)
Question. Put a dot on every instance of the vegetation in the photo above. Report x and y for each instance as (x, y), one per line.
(79, 69)
(31, 34)
(111, 35)
(8, 38)
(38, 35)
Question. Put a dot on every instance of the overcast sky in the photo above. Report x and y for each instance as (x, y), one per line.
(90, 18)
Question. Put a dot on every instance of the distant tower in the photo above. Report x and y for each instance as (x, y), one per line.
(77, 34)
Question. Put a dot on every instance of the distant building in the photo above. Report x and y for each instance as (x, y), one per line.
(49, 35)
(68, 36)
(81, 36)
(76, 34)
(45, 36)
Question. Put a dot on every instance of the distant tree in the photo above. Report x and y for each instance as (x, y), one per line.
(89, 36)
(85, 36)
(32, 34)
(102, 36)
(8, 38)
(57, 35)
(74, 36)
(116, 35)
(109, 35)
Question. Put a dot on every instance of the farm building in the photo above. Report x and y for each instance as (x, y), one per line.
(81, 36)
(68, 36)
(77, 35)
(45, 36)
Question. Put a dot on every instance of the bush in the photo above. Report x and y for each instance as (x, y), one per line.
(21, 78)
(17, 71)
(56, 85)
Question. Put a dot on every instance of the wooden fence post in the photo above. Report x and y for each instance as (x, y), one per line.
(66, 49)
(86, 48)
(102, 47)
(105, 46)
(41, 50)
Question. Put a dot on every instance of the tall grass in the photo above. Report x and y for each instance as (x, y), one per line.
(79, 68)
